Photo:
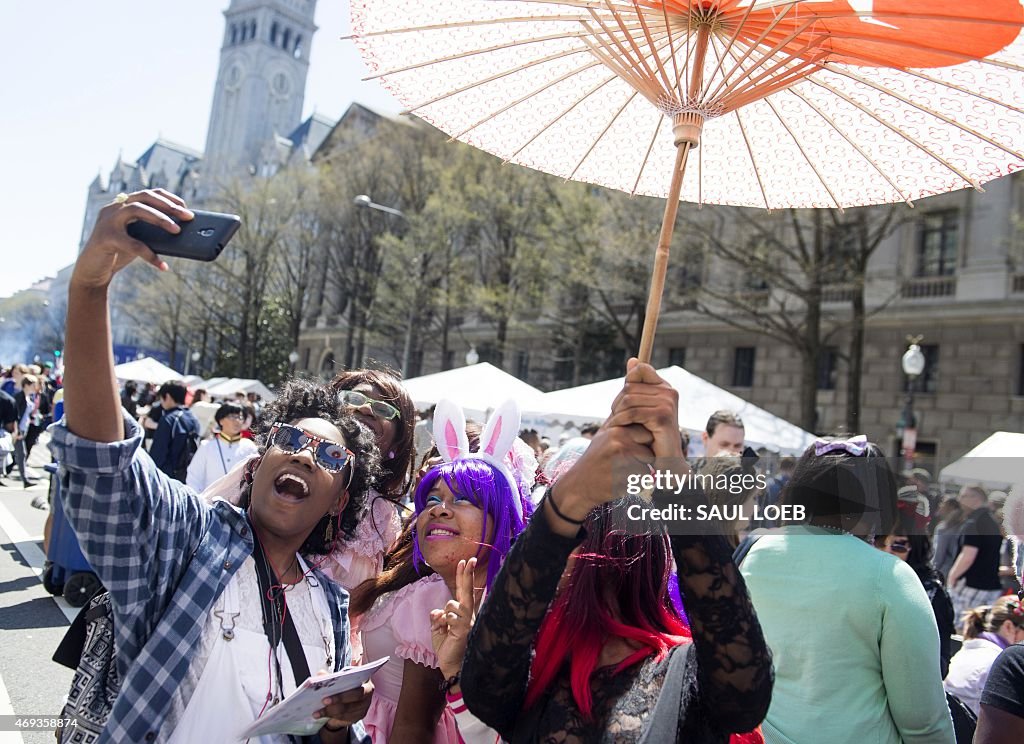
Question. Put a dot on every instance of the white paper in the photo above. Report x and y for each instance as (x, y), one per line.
(294, 714)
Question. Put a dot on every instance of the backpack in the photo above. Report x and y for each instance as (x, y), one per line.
(184, 427)
(964, 720)
(88, 648)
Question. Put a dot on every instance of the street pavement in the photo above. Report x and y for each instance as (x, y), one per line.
(32, 622)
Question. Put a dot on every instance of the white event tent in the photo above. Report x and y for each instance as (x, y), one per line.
(478, 388)
(998, 461)
(226, 388)
(698, 399)
(147, 370)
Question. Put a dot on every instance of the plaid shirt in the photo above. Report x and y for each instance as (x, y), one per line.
(165, 557)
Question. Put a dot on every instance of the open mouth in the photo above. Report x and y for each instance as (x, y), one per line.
(440, 533)
(291, 487)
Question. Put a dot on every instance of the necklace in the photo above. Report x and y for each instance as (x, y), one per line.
(326, 632)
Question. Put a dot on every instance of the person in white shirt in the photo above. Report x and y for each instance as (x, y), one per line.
(221, 452)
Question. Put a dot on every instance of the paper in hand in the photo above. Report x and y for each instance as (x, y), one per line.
(294, 714)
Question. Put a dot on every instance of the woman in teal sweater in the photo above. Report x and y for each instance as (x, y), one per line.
(852, 634)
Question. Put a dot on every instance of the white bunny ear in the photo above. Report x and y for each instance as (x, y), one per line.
(450, 430)
(501, 430)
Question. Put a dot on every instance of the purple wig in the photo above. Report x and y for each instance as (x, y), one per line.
(488, 490)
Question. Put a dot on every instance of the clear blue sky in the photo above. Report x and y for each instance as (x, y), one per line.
(86, 79)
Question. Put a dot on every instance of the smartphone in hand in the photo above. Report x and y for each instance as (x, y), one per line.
(201, 238)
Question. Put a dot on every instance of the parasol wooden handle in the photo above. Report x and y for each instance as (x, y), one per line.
(660, 269)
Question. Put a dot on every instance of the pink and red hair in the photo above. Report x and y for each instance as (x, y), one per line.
(617, 587)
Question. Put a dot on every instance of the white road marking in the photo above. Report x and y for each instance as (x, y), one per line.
(6, 709)
(31, 553)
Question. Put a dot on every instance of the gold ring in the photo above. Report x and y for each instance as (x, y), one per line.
(121, 198)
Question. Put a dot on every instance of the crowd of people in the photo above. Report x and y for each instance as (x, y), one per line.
(28, 395)
(512, 594)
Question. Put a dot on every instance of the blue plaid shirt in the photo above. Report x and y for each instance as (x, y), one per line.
(165, 557)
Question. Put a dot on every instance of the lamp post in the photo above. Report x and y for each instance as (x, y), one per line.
(293, 359)
(366, 202)
(471, 356)
(913, 365)
(194, 359)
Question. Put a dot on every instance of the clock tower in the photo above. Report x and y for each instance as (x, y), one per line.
(261, 82)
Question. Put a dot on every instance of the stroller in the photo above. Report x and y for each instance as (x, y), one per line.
(67, 571)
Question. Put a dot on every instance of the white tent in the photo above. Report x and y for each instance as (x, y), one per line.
(146, 369)
(478, 388)
(998, 461)
(232, 385)
(698, 399)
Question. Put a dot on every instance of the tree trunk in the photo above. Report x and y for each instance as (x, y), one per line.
(809, 390)
(856, 355)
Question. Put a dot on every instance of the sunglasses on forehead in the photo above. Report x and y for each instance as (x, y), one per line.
(329, 455)
(378, 408)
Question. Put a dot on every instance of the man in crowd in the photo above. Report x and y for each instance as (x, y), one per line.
(177, 433)
(974, 578)
(26, 402)
(8, 424)
(724, 433)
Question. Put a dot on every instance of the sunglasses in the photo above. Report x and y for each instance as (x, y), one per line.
(378, 408)
(900, 547)
(329, 455)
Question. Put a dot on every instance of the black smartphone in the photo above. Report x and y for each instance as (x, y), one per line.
(201, 239)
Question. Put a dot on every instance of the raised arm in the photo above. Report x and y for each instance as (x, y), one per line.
(734, 665)
(92, 405)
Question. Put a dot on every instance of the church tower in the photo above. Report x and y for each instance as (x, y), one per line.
(261, 82)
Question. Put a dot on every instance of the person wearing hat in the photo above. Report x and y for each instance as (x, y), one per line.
(219, 454)
(921, 480)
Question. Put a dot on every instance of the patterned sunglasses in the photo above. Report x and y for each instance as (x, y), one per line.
(329, 455)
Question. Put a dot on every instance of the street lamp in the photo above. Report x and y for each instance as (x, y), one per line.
(913, 363)
(366, 202)
(191, 358)
(293, 359)
(471, 356)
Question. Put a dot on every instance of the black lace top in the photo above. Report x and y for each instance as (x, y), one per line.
(728, 679)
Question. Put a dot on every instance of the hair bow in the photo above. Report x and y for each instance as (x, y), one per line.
(855, 446)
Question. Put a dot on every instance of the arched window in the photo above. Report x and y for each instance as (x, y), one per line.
(252, 30)
(273, 32)
(287, 38)
(234, 34)
(298, 47)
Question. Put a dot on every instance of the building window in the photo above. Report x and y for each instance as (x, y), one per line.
(827, 368)
(252, 30)
(297, 53)
(743, 367)
(522, 364)
(305, 358)
(677, 356)
(273, 33)
(938, 235)
(1020, 372)
(449, 359)
(286, 38)
(234, 34)
(928, 382)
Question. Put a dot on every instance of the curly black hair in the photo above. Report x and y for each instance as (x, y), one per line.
(300, 399)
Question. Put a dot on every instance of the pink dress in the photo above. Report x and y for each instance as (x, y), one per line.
(362, 557)
(398, 625)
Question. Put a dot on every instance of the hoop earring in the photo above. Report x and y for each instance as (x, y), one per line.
(249, 472)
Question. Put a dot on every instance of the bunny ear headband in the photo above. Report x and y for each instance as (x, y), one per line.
(495, 443)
